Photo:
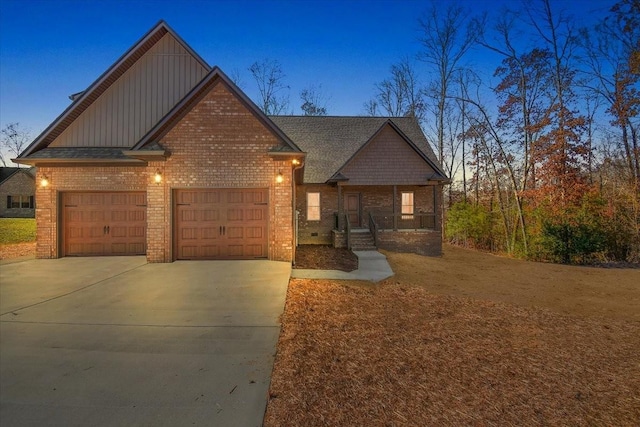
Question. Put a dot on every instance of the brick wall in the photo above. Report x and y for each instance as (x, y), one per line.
(79, 178)
(375, 199)
(20, 183)
(421, 242)
(316, 232)
(220, 143)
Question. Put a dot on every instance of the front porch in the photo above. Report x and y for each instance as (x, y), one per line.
(397, 218)
(422, 238)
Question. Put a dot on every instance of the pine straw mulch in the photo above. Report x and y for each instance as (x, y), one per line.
(324, 257)
(397, 355)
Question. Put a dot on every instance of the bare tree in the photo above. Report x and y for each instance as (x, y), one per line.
(314, 102)
(13, 139)
(236, 78)
(274, 93)
(446, 36)
(400, 95)
(609, 58)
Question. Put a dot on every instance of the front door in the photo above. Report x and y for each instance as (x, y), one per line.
(352, 206)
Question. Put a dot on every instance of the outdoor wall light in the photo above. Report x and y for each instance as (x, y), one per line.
(279, 177)
(158, 177)
(44, 181)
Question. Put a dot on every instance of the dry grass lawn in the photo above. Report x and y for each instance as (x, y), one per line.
(467, 339)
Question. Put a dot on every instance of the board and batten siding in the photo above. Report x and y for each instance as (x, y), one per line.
(134, 103)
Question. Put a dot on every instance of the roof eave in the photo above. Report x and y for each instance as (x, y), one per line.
(76, 161)
(147, 155)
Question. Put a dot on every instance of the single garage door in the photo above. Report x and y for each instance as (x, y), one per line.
(221, 223)
(104, 223)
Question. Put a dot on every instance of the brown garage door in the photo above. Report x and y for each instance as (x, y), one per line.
(104, 223)
(221, 223)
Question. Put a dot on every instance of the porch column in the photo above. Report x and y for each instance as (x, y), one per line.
(340, 207)
(395, 218)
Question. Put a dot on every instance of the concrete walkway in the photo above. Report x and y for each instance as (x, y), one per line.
(372, 266)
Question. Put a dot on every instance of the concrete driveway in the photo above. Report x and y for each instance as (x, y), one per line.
(117, 341)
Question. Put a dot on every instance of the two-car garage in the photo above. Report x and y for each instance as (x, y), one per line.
(206, 224)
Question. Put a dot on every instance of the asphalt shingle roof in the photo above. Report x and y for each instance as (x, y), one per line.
(330, 141)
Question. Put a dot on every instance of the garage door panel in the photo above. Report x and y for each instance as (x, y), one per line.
(235, 232)
(210, 233)
(137, 232)
(255, 251)
(137, 216)
(221, 223)
(211, 215)
(212, 197)
(255, 214)
(254, 232)
(235, 215)
(119, 216)
(189, 233)
(235, 197)
(110, 223)
(95, 232)
(211, 251)
(188, 215)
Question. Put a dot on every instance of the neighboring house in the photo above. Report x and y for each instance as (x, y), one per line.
(17, 192)
(165, 156)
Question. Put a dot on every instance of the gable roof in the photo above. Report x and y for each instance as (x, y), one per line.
(332, 141)
(191, 99)
(8, 172)
(82, 100)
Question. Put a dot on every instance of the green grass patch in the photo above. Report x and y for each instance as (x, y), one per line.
(17, 230)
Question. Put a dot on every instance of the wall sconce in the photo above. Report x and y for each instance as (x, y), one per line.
(158, 177)
(295, 162)
(44, 181)
(279, 177)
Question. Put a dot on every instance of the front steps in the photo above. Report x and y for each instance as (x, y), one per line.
(362, 240)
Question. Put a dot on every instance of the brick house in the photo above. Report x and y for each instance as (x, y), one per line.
(165, 156)
(17, 192)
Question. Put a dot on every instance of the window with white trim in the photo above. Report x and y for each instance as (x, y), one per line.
(313, 206)
(407, 205)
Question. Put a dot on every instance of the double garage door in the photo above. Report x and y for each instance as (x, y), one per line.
(104, 223)
(208, 223)
(221, 223)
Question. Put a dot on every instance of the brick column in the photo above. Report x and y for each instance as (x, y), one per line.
(158, 227)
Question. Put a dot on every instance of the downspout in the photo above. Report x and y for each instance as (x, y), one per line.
(294, 211)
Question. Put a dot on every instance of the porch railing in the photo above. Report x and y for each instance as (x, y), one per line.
(416, 221)
(348, 230)
(373, 229)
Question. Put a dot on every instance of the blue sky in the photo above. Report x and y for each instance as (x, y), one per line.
(51, 49)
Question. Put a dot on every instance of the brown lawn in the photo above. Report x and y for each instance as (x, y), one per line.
(467, 339)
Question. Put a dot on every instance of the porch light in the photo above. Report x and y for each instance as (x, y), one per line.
(44, 181)
(279, 177)
(158, 177)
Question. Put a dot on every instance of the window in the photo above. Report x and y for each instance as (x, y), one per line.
(407, 205)
(19, 201)
(313, 206)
